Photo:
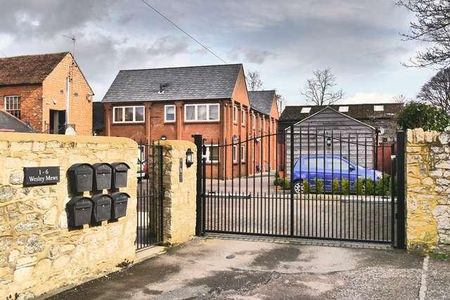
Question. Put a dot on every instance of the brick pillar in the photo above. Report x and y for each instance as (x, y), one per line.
(179, 119)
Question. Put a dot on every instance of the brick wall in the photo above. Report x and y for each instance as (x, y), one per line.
(30, 102)
(54, 96)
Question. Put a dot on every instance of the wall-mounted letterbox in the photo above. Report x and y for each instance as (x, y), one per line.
(102, 207)
(119, 204)
(79, 211)
(102, 176)
(81, 177)
(120, 172)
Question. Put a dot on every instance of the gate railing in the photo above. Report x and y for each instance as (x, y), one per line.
(305, 182)
(150, 193)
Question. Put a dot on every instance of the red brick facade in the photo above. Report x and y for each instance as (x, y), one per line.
(39, 99)
(226, 130)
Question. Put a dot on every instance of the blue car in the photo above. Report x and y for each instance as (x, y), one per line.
(328, 168)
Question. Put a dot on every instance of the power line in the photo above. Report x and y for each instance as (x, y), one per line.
(181, 29)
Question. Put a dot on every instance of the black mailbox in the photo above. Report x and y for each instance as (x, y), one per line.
(79, 211)
(102, 208)
(81, 177)
(120, 172)
(119, 204)
(102, 176)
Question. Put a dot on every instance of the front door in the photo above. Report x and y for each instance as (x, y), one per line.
(57, 121)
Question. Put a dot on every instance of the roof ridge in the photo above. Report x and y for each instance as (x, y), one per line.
(41, 54)
(182, 67)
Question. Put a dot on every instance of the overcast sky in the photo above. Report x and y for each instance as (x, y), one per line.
(283, 40)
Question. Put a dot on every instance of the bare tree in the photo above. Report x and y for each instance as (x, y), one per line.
(400, 99)
(254, 82)
(320, 89)
(437, 90)
(432, 26)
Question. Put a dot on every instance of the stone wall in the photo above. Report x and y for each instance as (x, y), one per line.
(179, 192)
(428, 191)
(38, 253)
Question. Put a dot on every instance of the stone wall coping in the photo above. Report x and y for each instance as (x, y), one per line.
(38, 137)
(419, 136)
(178, 144)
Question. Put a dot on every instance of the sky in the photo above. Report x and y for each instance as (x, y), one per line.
(285, 41)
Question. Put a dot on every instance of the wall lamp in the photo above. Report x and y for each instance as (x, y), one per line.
(189, 157)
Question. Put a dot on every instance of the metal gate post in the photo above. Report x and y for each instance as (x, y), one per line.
(291, 178)
(401, 207)
(200, 222)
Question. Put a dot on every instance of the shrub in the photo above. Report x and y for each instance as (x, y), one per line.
(278, 180)
(345, 186)
(306, 187)
(360, 183)
(319, 186)
(383, 186)
(421, 115)
(285, 184)
(369, 187)
(335, 186)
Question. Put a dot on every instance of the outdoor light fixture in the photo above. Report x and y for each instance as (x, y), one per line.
(163, 138)
(189, 157)
(328, 141)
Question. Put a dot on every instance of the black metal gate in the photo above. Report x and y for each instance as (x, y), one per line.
(305, 183)
(149, 196)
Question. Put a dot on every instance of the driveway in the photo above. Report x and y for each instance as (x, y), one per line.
(260, 269)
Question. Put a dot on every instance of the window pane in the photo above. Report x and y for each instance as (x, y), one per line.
(170, 113)
(118, 114)
(234, 152)
(201, 112)
(190, 112)
(139, 114)
(214, 153)
(242, 153)
(213, 112)
(129, 114)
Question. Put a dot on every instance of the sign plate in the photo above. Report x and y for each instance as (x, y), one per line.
(40, 176)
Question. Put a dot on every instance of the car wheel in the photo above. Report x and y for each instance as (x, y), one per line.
(298, 187)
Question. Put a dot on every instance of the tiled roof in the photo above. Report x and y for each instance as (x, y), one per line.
(179, 83)
(262, 101)
(28, 69)
(357, 111)
(10, 123)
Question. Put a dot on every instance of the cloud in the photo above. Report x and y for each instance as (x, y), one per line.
(253, 56)
(364, 97)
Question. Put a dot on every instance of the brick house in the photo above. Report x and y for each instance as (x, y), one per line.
(34, 89)
(175, 103)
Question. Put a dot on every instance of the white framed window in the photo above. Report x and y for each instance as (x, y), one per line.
(253, 121)
(12, 105)
(235, 114)
(128, 114)
(170, 113)
(243, 153)
(201, 112)
(212, 153)
(243, 117)
(235, 153)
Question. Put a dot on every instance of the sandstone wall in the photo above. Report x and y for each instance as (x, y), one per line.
(428, 191)
(179, 192)
(38, 253)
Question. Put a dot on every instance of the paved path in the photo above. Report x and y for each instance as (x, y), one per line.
(240, 269)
